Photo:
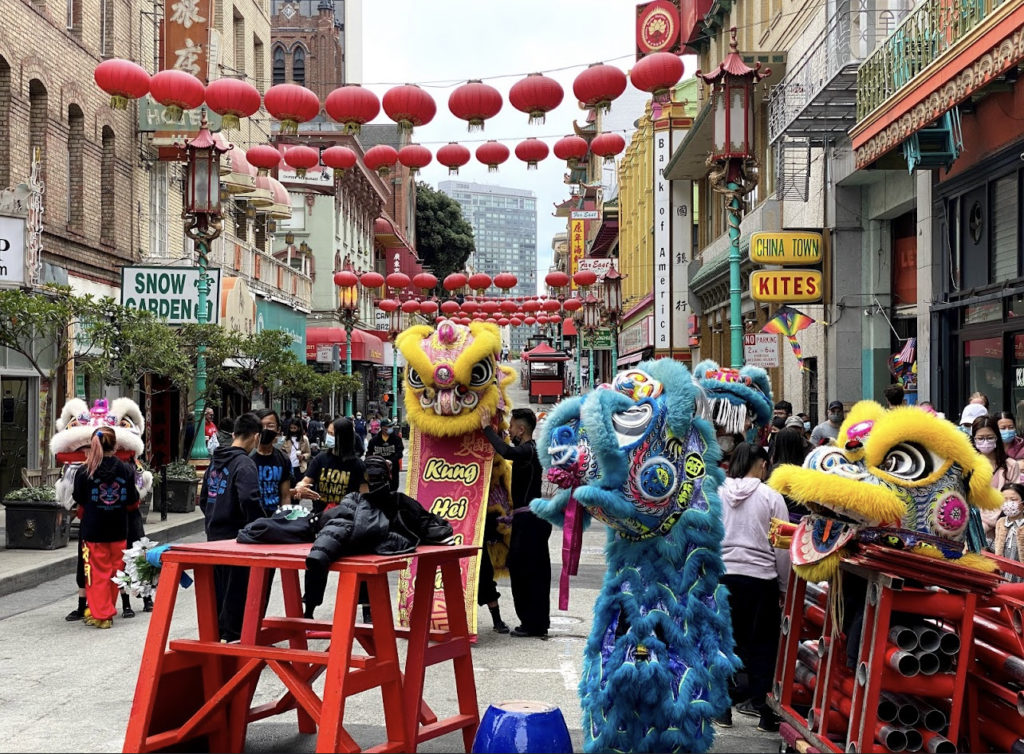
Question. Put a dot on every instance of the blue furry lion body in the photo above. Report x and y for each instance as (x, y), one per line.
(660, 653)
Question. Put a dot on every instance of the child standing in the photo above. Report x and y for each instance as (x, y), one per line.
(105, 492)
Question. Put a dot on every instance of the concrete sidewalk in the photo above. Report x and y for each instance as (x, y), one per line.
(25, 569)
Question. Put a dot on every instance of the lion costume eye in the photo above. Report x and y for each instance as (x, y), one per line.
(483, 373)
(906, 461)
(414, 378)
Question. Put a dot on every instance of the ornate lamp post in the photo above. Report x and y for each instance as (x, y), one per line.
(591, 321)
(733, 164)
(577, 317)
(202, 225)
(348, 308)
(612, 290)
(394, 329)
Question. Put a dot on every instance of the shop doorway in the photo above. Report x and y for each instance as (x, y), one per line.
(14, 434)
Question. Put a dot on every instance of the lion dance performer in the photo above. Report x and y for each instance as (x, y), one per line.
(452, 374)
(638, 456)
(70, 444)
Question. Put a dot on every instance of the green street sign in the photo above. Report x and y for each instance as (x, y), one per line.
(600, 340)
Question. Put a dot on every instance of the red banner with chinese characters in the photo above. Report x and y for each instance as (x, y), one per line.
(451, 477)
(186, 36)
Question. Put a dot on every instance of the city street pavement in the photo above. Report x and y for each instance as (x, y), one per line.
(68, 687)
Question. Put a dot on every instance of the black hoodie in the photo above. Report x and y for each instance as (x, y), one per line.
(105, 499)
(230, 497)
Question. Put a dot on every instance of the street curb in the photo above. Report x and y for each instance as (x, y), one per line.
(29, 578)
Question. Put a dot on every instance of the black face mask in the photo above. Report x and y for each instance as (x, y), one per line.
(267, 437)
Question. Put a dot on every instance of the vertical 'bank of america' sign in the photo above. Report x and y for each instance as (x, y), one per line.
(662, 243)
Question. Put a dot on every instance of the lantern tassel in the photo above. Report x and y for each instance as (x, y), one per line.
(229, 120)
(537, 119)
(492, 168)
(475, 125)
(453, 171)
(117, 102)
(173, 113)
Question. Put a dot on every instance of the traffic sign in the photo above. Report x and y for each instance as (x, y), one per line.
(761, 350)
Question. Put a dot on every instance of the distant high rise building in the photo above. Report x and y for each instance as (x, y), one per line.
(504, 224)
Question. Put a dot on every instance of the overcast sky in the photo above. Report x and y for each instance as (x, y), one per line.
(452, 41)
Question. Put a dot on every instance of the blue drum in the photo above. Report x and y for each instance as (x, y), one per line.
(522, 727)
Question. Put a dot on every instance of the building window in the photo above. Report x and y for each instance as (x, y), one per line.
(76, 143)
(238, 25)
(278, 68)
(107, 28)
(108, 188)
(158, 210)
(73, 19)
(1003, 264)
(5, 123)
(299, 66)
(258, 63)
(37, 118)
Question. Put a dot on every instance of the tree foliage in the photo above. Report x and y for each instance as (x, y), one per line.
(132, 343)
(444, 239)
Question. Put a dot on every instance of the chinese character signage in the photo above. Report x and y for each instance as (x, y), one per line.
(662, 243)
(577, 242)
(186, 36)
(682, 251)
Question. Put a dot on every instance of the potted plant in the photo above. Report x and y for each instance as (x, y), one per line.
(35, 520)
(182, 481)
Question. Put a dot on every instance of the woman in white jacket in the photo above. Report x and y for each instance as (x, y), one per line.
(755, 574)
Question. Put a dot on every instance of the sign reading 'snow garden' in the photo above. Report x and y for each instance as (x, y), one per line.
(170, 293)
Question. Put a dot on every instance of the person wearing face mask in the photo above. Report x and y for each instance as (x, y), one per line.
(273, 466)
(335, 472)
(230, 499)
(986, 439)
(1009, 536)
(828, 431)
(1008, 431)
(529, 563)
(389, 446)
(296, 447)
(727, 442)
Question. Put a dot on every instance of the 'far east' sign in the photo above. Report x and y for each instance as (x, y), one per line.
(785, 248)
(170, 293)
(785, 286)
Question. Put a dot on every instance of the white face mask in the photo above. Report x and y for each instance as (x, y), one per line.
(329, 442)
(726, 443)
(1011, 508)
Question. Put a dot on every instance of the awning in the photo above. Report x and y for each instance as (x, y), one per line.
(569, 327)
(690, 158)
(607, 236)
(365, 347)
(544, 352)
(630, 359)
(388, 235)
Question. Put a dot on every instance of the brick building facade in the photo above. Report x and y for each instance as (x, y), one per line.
(308, 44)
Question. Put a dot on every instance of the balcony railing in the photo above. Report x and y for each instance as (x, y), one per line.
(929, 31)
(262, 272)
(817, 96)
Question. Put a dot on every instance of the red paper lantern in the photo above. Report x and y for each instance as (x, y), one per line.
(425, 280)
(536, 95)
(454, 281)
(177, 91)
(598, 85)
(301, 158)
(503, 321)
(551, 305)
(232, 99)
(554, 319)
(352, 106)
(585, 278)
(449, 306)
(509, 307)
(291, 104)
(531, 152)
(263, 157)
(409, 106)
(572, 149)
(397, 280)
(411, 306)
(122, 80)
(381, 158)
(607, 145)
(491, 306)
(414, 157)
(556, 279)
(470, 307)
(492, 321)
(371, 279)
(387, 305)
(542, 319)
(453, 156)
(475, 102)
(428, 307)
(530, 321)
(572, 304)
(531, 305)
(515, 321)
(479, 281)
(339, 159)
(345, 278)
(505, 281)
(492, 154)
(657, 72)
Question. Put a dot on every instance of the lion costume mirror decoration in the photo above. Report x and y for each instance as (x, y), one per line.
(639, 456)
(77, 422)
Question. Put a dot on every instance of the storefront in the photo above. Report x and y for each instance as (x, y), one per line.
(271, 315)
(636, 341)
(326, 347)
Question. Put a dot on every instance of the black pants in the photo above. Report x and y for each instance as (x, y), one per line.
(756, 618)
(231, 584)
(529, 569)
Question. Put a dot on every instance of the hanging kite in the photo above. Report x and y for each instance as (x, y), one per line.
(789, 321)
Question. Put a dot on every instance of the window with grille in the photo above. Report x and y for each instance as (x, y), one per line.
(108, 188)
(76, 146)
(158, 210)
(299, 66)
(278, 66)
(1003, 260)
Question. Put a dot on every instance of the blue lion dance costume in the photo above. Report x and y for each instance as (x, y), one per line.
(639, 456)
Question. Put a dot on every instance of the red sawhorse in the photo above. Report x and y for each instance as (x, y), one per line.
(196, 693)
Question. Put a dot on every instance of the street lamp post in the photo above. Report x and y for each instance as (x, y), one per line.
(578, 318)
(612, 289)
(348, 308)
(733, 164)
(591, 321)
(202, 225)
(394, 328)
